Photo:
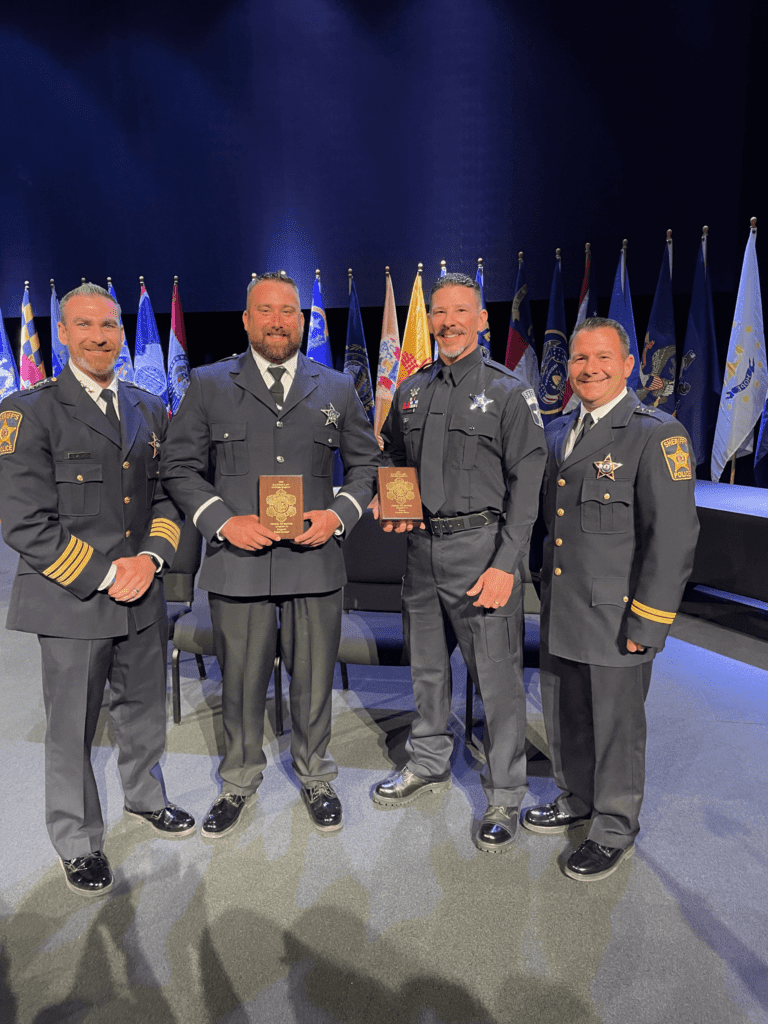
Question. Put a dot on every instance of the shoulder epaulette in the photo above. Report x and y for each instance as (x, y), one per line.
(45, 382)
(657, 414)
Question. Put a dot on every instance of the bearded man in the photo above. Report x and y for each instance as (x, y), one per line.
(270, 410)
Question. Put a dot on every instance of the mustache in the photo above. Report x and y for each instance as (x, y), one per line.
(450, 330)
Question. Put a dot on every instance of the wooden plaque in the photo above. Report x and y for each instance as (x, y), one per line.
(281, 504)
(399, 497)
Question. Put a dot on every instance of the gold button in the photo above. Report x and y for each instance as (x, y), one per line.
(559, 542)
(280, 458)
(561, 482)
(79, 477)
(625, 599)
(226, 436)
(126, 465)
(558, 572)
(127, 501)
(127, 533)
(606, 496)
(561, 511)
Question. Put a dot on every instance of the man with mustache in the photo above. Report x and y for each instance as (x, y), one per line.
(270, 410)
(621, 521)
(477, 441)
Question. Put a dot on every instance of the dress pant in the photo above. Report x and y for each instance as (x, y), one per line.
(245, 637)
(74, 675)
(436, 615)
(595, 721)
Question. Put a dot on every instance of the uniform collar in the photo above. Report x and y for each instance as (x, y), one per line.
(462, 367)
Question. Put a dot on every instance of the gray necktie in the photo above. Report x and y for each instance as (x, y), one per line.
(277, 390)
(109, 397)
(431, 464)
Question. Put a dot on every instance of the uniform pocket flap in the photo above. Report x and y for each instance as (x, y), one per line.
(413, 421)
(606, 491)
(77, 472)
(472, 427)
(609, 590)
(327, 436)
(228, 431)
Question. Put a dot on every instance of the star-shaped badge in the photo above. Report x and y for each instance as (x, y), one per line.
(480, 402)
(607, 467)
(332, 416)
(154, 444)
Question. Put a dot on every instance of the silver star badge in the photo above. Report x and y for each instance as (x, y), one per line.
(607, 467)
(480, 402)
(332, 416)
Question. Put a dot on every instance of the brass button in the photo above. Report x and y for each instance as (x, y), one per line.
(126, 465)
(280, 458)
(226, 436)
(279, 423)
(558, 572)
(127, 533)
(79, 477)
(625, 599)
(561, 482)
(127, 501)
(561, 511)
(559, 542)
(330, 440)
(606, 496)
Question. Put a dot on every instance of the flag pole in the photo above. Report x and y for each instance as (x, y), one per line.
(349, 272)
(443, 268)
(520, 257)
(669, 247)
(557, 256)
(704, 233)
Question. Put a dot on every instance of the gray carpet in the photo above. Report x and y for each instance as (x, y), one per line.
(399, 918)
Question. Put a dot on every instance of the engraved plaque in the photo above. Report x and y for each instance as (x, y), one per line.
(399, 497)
(281, 504)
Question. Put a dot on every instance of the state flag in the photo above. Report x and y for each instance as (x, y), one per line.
(521, 347)
(178, 361)
(484, 336)
(318, 344)
(149, 365)
(621, 311)
(124, 365)
(31, 367)
(9, 375)
(554, 356)
(389, 359)
(59, 352)
(356, 354)
(658, 366)
(414, 352)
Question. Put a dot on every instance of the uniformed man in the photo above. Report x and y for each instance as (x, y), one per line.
(477, 441)
(271, 410)
(81, 503)
(622, 527)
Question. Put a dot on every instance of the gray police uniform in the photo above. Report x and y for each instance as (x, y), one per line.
(75, 496)
(622, 528)
(492, 454)
(229, 419)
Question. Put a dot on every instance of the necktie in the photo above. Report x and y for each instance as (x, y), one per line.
(277, 390)
(586, 425)
(431, 465)
(109, 397)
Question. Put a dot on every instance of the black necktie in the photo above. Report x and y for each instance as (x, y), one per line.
(109, 397)
(586, 425)
(431, 465)
(277, 390)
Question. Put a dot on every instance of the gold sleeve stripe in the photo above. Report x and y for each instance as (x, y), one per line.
(165, 535)
(654, 614)
(166, 528)
(71, 563)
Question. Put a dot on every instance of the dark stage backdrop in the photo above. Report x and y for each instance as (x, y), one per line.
(212, 140)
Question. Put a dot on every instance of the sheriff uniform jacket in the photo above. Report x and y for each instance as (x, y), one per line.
(229, 417)
(622, 528)
(74, 498)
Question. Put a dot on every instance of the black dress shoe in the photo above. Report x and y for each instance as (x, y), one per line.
(550, 819)
(223, 815)
(591, 862)
(404, 787)
(323, 805)
(90, 875)
(169, 821)
(497, 829)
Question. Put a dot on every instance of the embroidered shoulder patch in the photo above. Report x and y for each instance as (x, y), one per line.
(530, 396)
(10, 421)
(677, 457)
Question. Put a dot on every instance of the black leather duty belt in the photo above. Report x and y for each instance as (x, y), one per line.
(457, 524)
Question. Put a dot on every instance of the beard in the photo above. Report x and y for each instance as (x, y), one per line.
(275, 344)
(452, 348)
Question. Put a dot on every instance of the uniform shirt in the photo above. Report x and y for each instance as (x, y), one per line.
(596, 414)
(494, 451)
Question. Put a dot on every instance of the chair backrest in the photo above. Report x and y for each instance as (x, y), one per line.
(179, 581)
(375, 564)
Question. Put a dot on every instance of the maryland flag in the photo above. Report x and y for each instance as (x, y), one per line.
(31, 368)
(389, 360)
(415, 350)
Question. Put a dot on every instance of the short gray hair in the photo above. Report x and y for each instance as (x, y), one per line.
(88, 288)
(451, 281)
(594, 323)
(273, 275)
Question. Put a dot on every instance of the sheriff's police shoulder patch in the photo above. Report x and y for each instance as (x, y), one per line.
(10, 421)
(530, 396)
(677, 457)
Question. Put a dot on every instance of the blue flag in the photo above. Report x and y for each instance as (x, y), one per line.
(149, 366)
(698, 389)
(178, 362)
(554, 356)
(746, 378)
(484, 336)
(658, 366)
(621, 311)
(59, 352)
(9, 374)
(123, 366)
(356, 355)
(318, 345)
